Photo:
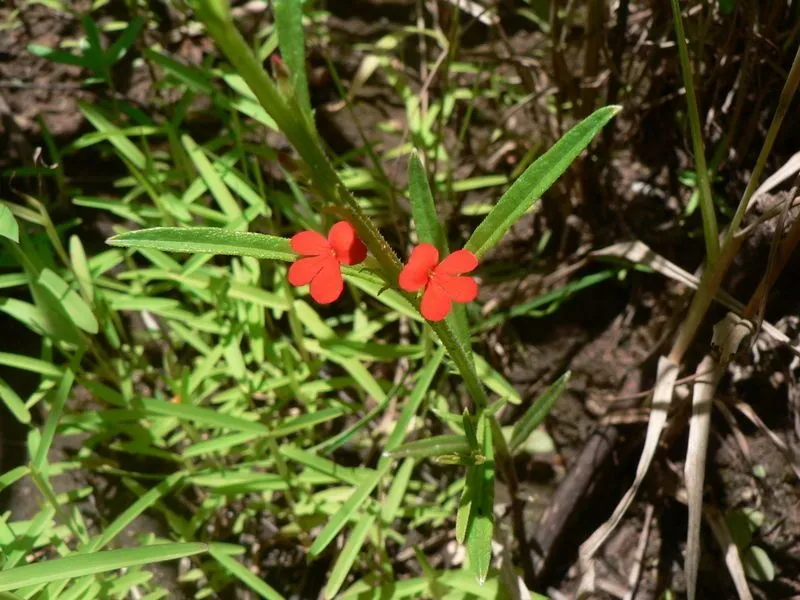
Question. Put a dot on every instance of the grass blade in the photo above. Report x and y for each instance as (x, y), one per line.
(124, 146)
(78, 565)
(134, 510)
(239, 571)
(28, 363)
(212, 179)
(348, 556)
(120, 47)
(417, 395)
(534, 416)
(9, 228)
(710, 231)
(56, 410)
(205, 416)
(14, 403)
(394, 497)
(74, 306)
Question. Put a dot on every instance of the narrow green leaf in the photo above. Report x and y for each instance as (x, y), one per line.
(464, 512)
(73, 305)
(462, 582)
(78, 565)
(432, 446)
(435, 588)
(80, 266)
(120, 47)
(14, 403)
(12, 280)
(495, 381)
(347, 556)
(322, 465)
(124, 146)
(28, 363)
(757, 564)
(536, 413)
(391, 504)
(470, 431)
(348, 509)
(10, 477)
(235, 568)
(423, 207)
(202, 415)
(194, 78)
(247, 103)
(59, 56)
(212, 179)
(93, 49)
(536, 179)
(207, 240)
(289, 19)
(115, 207)
(26, 313)
(481, 523)
(424, 381)
(307, 421)
(25, 543)
(218, 444)
(127, 516)
(9, 228)
(53, 418)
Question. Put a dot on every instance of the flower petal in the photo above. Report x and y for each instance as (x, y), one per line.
(460, 261)
(416, 273)
(459, 289)
(304, 270)
(328, 284)
(350, 250)
(436, 304)
(310, 243)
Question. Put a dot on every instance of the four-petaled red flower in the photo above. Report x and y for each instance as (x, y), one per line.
(322, 268)
(443, 282)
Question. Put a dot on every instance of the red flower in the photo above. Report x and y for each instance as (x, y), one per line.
(321, 268)
(443, 282)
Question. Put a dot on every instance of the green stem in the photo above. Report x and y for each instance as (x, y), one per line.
(461, 359)
(217, 18)
(710, 232)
